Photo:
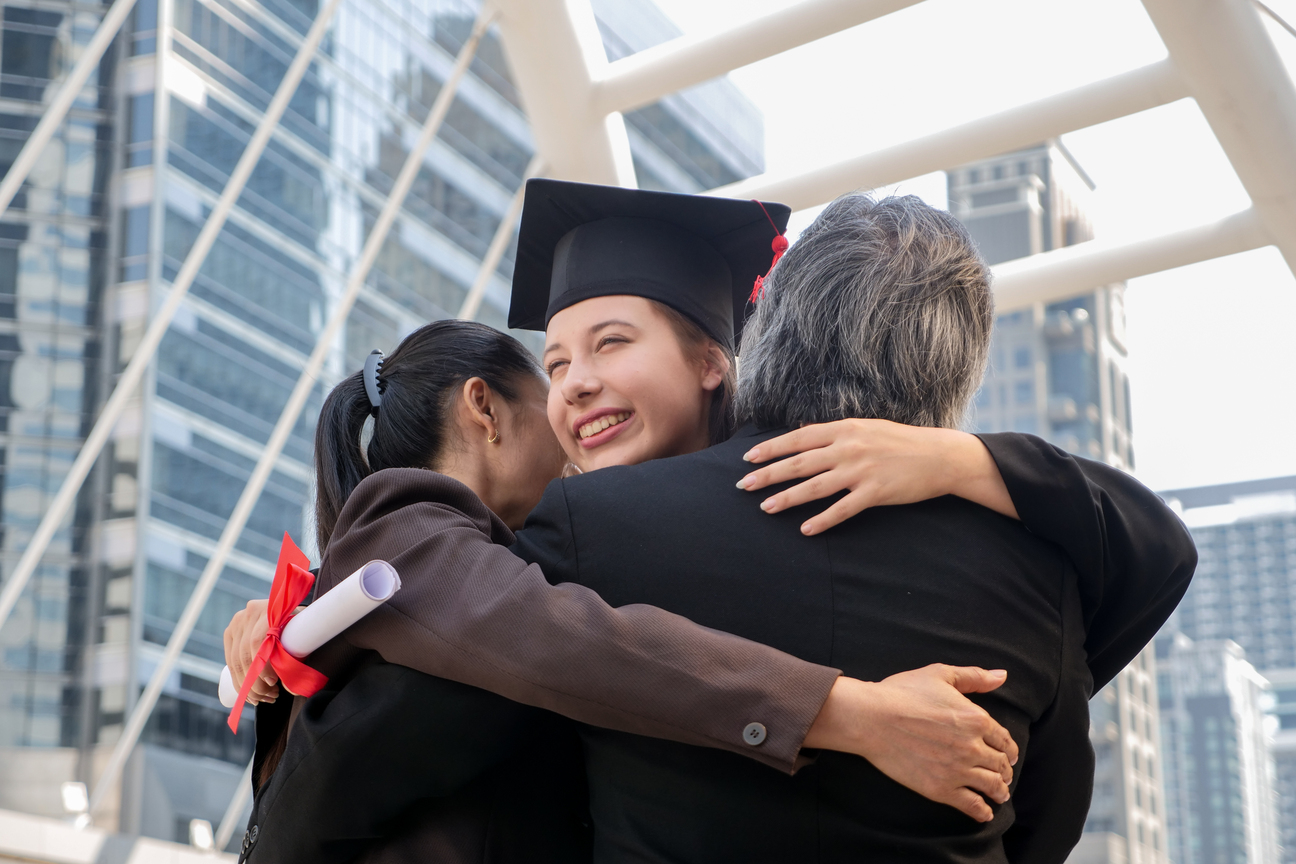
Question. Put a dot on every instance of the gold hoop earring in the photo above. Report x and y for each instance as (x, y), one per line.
(494, 437)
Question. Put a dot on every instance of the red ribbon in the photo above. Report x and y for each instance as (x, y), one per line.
(292, 582)
(779, 245)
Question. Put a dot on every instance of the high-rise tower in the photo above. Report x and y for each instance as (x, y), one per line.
(1219, 770)
(1057, 370)
(1244, 591)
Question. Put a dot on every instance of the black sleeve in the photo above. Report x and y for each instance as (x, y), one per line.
(546, 538)
(1134, 556)
(361, 756)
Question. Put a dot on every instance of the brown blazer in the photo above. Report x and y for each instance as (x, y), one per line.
(465, 598)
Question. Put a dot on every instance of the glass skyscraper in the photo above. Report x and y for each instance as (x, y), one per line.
(87, 252)
(1244, 591)
(1057, 370)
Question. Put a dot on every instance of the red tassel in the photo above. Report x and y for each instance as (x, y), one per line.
(779, 245)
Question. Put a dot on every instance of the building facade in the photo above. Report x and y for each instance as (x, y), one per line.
(90, 247)
(1057, 370)
(1219, 769)
(55, 245)
(1126, 821)
(1245, 591)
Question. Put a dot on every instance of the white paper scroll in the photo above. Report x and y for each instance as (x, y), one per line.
(352, 599)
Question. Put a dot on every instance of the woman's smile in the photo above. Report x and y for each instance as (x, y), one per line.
(601, 426)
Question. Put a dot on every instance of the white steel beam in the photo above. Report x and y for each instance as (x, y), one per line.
(1118, 96)
(1073, 270)
(288, 418)
(229, 822)
(62, 101)
(556, 54)
(503, 234)
(1234, 72)
(648, 75)
(143, 356)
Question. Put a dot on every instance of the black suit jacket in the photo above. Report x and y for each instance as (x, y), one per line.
(893, 589)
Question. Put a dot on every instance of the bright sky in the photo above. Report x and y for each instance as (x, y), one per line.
(1212, 346)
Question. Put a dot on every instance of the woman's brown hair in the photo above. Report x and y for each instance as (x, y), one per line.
(695, 341)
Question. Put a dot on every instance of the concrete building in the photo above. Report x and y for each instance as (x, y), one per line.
(1218, 767)
(89, 247)
(1126, 822)
(1056, 370)
(1245, 585)
(1245, 591)
(1282, 683)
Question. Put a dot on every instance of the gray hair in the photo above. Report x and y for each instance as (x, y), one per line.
(881, 309)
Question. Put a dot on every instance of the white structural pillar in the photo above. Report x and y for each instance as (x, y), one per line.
(229, 822)
(1118, 96)
(1235, 74)
(646, 76)
(1072, 270)
(556, 54)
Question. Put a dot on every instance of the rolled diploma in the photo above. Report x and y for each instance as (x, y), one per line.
(352, 599)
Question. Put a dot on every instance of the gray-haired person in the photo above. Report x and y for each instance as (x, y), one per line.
(882, 309)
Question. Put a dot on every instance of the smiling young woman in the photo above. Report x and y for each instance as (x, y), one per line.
(632, 380)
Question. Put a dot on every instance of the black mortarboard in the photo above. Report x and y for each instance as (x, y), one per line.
(697, 254)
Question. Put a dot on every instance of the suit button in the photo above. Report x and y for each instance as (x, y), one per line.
(754, 734)
(249, 839)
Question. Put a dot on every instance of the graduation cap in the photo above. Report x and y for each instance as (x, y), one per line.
(699, 255)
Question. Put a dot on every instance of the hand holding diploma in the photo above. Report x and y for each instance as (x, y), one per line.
(288, 638)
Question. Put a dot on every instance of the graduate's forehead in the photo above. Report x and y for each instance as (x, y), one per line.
(584, 321)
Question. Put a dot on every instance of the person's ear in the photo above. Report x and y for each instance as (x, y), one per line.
(482, 408)
(715, 366)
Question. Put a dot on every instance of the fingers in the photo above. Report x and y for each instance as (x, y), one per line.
(973, 679)
(970, 803)
(262, 691)
(837, 513)
(995, 761)
(796, 441)
(998, 739)
(809, 490)
(988, 783)
(801, 465)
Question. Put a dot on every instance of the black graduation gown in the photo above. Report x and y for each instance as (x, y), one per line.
(893, 589)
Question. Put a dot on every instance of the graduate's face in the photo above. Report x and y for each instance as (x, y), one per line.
(623, 389)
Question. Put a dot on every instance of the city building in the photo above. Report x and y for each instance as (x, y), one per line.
(87, 251)
(1126, 821)
(1245, 590)
(1219, 781)
(1057, 370)
(1282, 683)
